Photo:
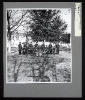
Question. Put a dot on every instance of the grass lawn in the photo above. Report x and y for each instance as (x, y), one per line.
(57, 68)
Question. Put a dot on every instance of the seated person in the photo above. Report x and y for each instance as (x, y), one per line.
(31, 48)
(36, 47)
(46, 49)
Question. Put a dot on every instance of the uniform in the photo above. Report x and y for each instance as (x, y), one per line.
(20, 48)
(57, 48)
(36, 48)
(25, 49)
(31, 48)
(43, 47)
(50, 48)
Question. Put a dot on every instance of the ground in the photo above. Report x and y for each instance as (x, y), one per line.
(57, 67)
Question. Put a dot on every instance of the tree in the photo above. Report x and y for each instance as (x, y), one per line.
(14, 22)
(65, 38)
(47, 25)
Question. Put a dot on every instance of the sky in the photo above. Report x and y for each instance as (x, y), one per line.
(66, 15)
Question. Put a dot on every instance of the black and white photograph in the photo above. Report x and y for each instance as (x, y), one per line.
(38, 45)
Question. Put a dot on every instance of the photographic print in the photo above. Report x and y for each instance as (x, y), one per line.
(38, 43)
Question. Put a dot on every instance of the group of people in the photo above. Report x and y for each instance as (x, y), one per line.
(31, 49)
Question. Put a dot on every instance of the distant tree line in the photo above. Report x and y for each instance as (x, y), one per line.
(65, 38)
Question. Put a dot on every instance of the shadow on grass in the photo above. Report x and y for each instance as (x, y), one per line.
(44, 63)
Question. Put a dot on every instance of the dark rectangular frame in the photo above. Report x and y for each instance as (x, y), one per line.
(73, 89)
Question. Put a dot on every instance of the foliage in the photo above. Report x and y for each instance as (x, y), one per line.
(47, 25)
(65, 38)
(14, 19)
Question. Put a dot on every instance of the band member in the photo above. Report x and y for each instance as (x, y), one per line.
(36, 47)
(27, 48)
(43, 47)
(53, 48)
(24, 49)
(50, 48)
(31, 47)
(20, 48)
(57, 48)
(46, 49)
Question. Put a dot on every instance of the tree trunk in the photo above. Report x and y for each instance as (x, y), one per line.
(54, 77)
(9, 33)
(9, 41)
(57, 47)
(58, 43)
(9, 47)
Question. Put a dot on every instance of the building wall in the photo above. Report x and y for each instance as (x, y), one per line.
(15, 41)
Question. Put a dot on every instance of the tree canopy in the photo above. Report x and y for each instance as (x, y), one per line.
(14, 19)
(65, 38)
(46, 25)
